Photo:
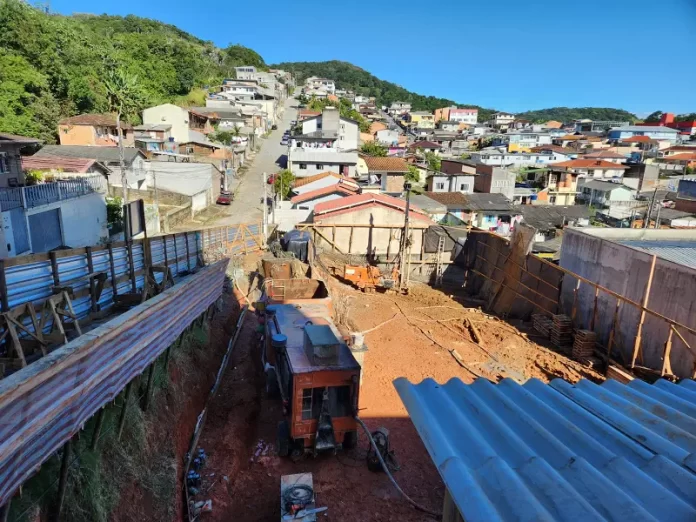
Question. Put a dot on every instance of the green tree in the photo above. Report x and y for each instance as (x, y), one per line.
(372, 148)
(433, 160)
(653, 117)
(413, 174)
(465, 156)
(283, 183)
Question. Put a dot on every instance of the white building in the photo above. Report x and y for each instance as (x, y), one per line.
(398, 108)
(503, 119)
(441, 182)
(323, 84)
(387, 136)
(527, 140)
(468, 116)
(245, 72)
(497, 158)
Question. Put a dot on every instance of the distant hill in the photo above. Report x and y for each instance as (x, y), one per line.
(53, 66)
(566, 114)
(350, 77)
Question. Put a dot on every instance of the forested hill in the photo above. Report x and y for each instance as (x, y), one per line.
(350, 77)
(567, 114)
(53, 66)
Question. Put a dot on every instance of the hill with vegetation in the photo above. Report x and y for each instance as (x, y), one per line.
(567, 114)
(52, 66)
(350, 77)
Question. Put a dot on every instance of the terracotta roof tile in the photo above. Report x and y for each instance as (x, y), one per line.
(686, 156)
(105, 120)
(598, 154)
(80, 165)
(309, 179)
(424, 144)
(344, 190)
(351, 203)
(386, 164)
(637, 139)
(587, 164)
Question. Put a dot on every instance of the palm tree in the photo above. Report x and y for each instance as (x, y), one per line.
(123, 99)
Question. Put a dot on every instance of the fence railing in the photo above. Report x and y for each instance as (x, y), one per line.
(47, 193)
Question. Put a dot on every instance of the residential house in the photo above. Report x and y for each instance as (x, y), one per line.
(561, 153)
(134, 161)
(182, 120)
(322, 180)
(468, 116)
(153, 137)
(677, 149)
(653, 132)
(525, 141)
(561, 189)
(493, 212)
(448, 125)
(422, 120)
(381, 211)
(200, 183)
(399, 108)
(241, 90)
(523, 195)
(515, 160)
(345, 132)
(434, 209)
(387, 136)
(605, 194)
(553, 124)
(577, 141)
(49, 215)
(245, 72)
(425, 146)
(495, 180)
(58, 167)
(678, 162)
(685, 128)
(443, 182)
(388, 172)
(309, 200)
(599, 125)
(605, 155)
(377, 126)
(592, 169)
(502, 120)
(304, 114)
(93, 130)
(314, 83)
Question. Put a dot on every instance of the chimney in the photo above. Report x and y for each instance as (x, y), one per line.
(667, 118)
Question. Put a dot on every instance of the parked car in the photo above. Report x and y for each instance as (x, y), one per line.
(284, 141)
(225, 198)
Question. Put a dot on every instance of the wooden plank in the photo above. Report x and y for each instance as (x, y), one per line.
(329, 242)
(450, 511)
(637, 350)
(619, 374)
(666, 365)
(350, 240)
(5, 300)
(131, 265)
(593, 321)
(333, 238)
(63, 480)
(612, 333)
(112, 268)
(188, 254)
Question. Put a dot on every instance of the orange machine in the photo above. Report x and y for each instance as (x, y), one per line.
(315, 374)
(368, 278)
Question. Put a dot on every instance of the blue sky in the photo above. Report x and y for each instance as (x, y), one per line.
(508, 55)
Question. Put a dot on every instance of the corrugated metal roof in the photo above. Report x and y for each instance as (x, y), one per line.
(560, 451)
(680, 252)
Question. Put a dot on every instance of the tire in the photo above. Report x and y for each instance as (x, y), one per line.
(272, 390)
(283, 439)
(350, 439)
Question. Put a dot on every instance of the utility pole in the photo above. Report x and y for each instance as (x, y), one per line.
(265, 208)
(403, 266)
(646, 223)
(154, 186)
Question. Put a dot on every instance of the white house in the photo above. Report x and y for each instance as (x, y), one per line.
(330, 125)
(240, 90)
(387, 136)
(398, 108)
(498, 158)
(606, 194)
(442, 182)
(503, 119)
(592, 169)
(526, 140)
(245, 72)
(468, 116)
(323, 84)
(182, 120)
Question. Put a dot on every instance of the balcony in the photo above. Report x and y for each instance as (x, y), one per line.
(47, 193)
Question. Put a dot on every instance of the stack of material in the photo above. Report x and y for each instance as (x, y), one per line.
(562, 331)
(542, 324)
(583, 346)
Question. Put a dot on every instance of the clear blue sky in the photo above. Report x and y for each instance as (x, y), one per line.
(505, 54)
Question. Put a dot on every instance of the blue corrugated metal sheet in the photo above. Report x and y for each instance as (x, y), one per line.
(561, 451)
(680, 252)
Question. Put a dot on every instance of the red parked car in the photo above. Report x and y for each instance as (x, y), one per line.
(225, 198)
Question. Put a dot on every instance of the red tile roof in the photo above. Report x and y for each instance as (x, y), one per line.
(598, 154)
(308, 112)
(360, 201)
(424, 145)
(688, 148)
(386, 164)
(299, 182)
(587, 164)
(104, 120)
(637, 139)
(80, 165)
(686, 156)
(343, 190)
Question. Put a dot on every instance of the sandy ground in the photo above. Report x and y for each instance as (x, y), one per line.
(416, 332)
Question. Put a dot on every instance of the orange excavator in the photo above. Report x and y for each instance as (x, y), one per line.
(369, 278)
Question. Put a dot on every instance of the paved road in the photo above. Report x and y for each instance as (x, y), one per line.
(246, 207)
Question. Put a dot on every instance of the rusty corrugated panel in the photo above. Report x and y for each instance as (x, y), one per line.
(44, 404)
(561, 452)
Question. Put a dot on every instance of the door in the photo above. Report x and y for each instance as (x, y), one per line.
(19, 231)
(45, 231)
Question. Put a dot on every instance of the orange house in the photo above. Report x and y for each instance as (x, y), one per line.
(93, 130)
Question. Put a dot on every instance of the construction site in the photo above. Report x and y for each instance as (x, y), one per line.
(223, 375)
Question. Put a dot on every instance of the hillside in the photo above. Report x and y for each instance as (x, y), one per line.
(53, 66)
(350, 77)
(566, 114)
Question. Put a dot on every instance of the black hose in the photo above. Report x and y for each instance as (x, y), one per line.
(386, 470)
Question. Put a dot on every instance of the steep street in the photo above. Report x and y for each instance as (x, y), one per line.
(246, 206)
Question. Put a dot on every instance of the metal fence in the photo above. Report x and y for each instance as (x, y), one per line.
(46, 193)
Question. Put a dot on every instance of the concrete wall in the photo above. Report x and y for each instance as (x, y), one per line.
(591, 253)
(172, 115)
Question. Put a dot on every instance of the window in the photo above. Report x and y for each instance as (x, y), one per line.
(552, 199)
(4, 164)
(464, 187)
(439, 186)
(303, 166)
(320, 166)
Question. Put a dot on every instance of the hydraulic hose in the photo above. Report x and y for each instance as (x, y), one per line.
(386, 470)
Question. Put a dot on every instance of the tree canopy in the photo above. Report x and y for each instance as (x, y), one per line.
(566, 114)
(52, 66)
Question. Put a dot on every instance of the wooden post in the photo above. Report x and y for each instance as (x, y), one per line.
(612, 333)
(666, 365)
(129, 247)
(637, 351)
(114, 286)
(594, 309)
(63, 481)
(450, 512)
(3, 288)
(350, 240)
(150, 383)
(97, 429)
(333, 238)
(92, 282)
(164, 243)
(54, 268)
(122, 418)
(188, 256)
(574, 311)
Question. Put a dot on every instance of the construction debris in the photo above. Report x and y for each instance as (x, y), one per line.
(542, 324)
(584, 344)
(561, 331)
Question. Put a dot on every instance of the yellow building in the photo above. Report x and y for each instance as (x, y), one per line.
(423, 119)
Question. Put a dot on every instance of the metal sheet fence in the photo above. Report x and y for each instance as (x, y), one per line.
(43, 405)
